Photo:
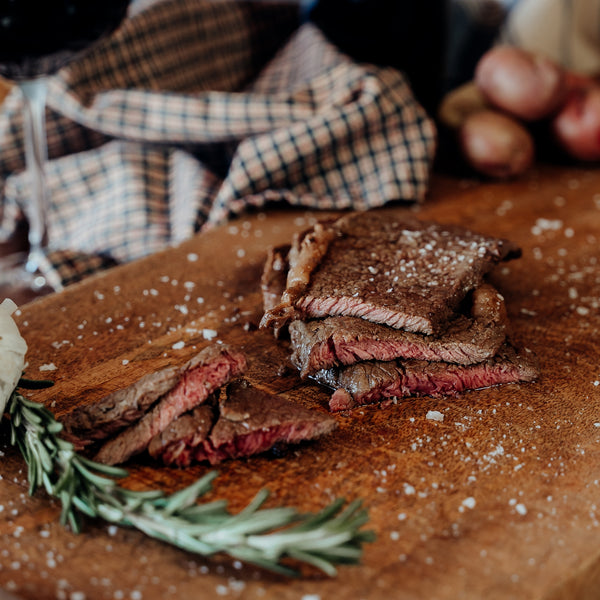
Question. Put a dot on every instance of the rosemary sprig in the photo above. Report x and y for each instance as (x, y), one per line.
(261, 536)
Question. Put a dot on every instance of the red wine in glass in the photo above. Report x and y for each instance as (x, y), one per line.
(38, 37)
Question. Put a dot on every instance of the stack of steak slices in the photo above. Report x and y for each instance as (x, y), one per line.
(381, 307)
(202, 410)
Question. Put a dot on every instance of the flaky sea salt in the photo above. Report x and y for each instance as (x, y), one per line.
(542, 225)
(521, 509)
(409, 490)
(178, 345)
(469, 502)
(435, 415)
(48, 367)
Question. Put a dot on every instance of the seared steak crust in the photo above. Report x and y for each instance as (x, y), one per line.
(247, 421)
(92, 422)
(404, 273)
(339, 341)
(374, 381)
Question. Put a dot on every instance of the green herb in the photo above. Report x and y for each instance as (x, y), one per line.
(261, 536)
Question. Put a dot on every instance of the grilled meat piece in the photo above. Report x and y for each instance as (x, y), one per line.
(370, 382)
(246, 421)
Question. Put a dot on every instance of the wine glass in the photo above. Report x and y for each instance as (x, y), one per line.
(36, 39)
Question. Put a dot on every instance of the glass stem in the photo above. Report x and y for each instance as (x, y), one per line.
(36, 154)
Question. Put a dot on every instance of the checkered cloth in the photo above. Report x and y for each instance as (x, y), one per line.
(193, 112)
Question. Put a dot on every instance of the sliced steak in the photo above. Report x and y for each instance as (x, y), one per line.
(339, 341)
(250, 421)
(205, 373)
(374, 381)
(89, 423)
(176, 444)
(401, 272)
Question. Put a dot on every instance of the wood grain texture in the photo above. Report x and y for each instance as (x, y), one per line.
(500, 500)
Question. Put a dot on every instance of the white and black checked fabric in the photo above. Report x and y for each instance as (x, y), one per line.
(196, 110)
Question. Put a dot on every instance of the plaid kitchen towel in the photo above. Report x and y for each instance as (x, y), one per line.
(196, 110)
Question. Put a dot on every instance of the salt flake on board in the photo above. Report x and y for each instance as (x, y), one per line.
(435, 415)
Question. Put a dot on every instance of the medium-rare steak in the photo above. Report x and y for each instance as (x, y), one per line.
(247, 421)
(176, 444)
(206, 372)
(373, 381)
(401, 272)
(335, 341)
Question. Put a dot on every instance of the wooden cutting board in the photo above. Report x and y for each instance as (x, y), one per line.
(501, 499)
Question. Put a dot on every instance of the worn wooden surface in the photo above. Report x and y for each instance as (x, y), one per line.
(499, 500)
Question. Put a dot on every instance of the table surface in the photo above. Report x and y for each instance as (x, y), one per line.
(501, 499)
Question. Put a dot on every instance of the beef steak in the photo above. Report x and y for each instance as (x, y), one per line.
(335, 341)
(246, 421)
(175, 445)
(89, 423)
(212, 368)
(373, 381)
(401, 272)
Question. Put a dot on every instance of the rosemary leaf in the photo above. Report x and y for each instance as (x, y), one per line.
(187, 497)
(315, 560)
(261, 536)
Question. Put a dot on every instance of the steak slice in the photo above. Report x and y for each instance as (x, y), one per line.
(250, 421)
(206, 372)
(176, 444)
(374, 381)
(89, 423)
(401, 272)
(339, 341)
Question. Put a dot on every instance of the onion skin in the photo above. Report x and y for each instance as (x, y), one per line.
(576, 127)
(496, 145)
(12, 353)
(526, 85)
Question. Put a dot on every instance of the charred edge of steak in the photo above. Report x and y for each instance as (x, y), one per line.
(337, 341)
(274, 276)
(206, 374)
(273, 280)
(248, 421)
(375, 381)
(404, 273)
(305, 254)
